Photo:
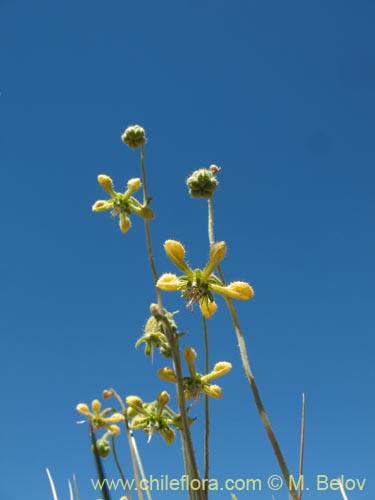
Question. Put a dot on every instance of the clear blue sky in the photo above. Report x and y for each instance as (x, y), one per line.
(281, 95)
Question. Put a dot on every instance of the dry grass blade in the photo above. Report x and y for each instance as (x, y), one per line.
(342, 490)
(52, 484)
(302, 447)
(71, 497)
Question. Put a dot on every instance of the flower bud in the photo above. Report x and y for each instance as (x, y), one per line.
(202, 183)
(134, 136)
(154, 308)
(103, 447)
(107, 393)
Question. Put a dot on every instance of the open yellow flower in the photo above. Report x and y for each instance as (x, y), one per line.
(122, 204)
(199, 285)
(197, 383)
(99, 418)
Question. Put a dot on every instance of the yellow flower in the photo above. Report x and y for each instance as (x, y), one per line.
(197, 383)
(153, 417)
(122, 204)
(101, 418)
(199, 285)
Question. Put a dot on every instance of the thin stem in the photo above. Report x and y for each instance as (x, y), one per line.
(206, 405)
(302, 447)
(150, 253)
(52, 485)
(190, 454)
(172, 338)
(134, 459)
(254, 388)
(119, 466)
(99, 466)
(75, 487)
(71, 497)
(246, 366)
(211, 237)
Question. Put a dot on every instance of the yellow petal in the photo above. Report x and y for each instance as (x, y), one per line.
(176, 252)
(107, 184)
(100, 206)
(96, 405)
(115, 417)
(217, 253)
(219, 370)
(134, 184)
(167, 374)
(134, 402)
(208, 308)
(163, 398)
(83, 409)
(114, 429)
(236, 290)
(124, 223)
(169, 282)
(168, 434)
(190, 356)
(213, 391)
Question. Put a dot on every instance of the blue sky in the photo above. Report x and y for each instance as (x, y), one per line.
(281, 96)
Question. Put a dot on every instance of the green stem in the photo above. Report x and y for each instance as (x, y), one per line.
(187, 441)
(211, 237)
(148, 230)
(246, 366)
(254, 388)
(172, 338)
(206, 405)
(99, 466)
(119, 466)
(75, 487)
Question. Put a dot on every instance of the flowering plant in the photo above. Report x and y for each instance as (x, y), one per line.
(162, 335)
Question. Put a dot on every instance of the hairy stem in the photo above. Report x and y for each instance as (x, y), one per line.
(188, 450)
(248, 372)
(206, 405)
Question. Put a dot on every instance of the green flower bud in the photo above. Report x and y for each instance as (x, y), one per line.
(134, 136)
(103, 447)
(202, 183)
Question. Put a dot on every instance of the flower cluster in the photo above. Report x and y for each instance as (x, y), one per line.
(153, 335)
(197, 383)
(154, 417)
(199, 285)
(101, 419)
(122, 204)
